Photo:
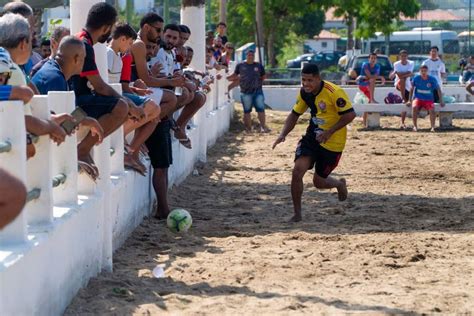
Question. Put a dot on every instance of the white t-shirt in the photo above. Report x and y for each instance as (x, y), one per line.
(114, 66)
(166, 59)
(18, 78)
(399, 67)
(435, 69)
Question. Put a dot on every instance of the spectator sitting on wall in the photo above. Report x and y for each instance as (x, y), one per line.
(26, 11)
(369, 73)
(56, 36)
(119, 70)
(403, 70)
(422, 94)
(93, 94)
(15, 40)
(12, 198)
(198, 98)
(468, 70)
(54, 76)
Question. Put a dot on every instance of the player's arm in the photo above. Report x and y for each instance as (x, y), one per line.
(298, 109)
(290, 123)
(23, 93)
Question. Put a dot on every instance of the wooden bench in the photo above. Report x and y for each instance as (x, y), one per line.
(445, 113)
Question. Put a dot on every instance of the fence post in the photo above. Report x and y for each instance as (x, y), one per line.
(12, 121)
(117, 143)
(64, 160)
(40, 210)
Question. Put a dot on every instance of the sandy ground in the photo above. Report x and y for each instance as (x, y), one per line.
(402, 243)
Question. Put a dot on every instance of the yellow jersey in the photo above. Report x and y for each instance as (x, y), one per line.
(326, 108)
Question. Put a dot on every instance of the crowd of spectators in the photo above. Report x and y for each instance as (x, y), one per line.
(151, 64)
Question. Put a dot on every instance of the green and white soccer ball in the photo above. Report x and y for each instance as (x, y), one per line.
(179, 220)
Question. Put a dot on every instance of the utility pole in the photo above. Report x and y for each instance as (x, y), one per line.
(259, 20)
(223, 11)
(129, 11)
(209, 15)
(166, 11)
(469, 37)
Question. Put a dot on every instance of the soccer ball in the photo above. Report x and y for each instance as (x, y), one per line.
(179, 220)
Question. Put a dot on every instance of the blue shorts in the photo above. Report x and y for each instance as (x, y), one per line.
(96, 106)
(255, 99)
(137, 99)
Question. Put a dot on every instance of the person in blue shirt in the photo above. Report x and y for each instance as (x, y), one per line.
(54, 76)
(422, 94)
(369, 73)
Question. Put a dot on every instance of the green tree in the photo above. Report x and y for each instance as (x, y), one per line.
(444, 25)
(281, 17)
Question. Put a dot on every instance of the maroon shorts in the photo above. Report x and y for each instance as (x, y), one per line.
(423, 104)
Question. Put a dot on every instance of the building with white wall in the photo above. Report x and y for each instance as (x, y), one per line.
(324, 41)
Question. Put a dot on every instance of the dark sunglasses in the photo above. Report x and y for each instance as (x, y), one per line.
(157, 29)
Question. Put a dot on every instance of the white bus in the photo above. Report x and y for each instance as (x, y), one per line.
(417, 42)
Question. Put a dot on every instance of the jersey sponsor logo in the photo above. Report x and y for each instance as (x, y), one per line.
(428, 85)
(322, 106)
(256, 69)
(341, 102)
(318, 121)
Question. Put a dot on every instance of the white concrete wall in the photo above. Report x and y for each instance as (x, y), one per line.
(317, 45)
(283, 98)
(72, 235)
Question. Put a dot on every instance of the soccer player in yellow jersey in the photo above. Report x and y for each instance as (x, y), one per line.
(325, 138)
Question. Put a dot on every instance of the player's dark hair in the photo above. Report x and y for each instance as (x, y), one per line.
(434, 47)
(222, 23)
(123, 29)
(184, 29)
(403, 51)
(372, 54)
(310, 69)
(150, 18)
(20, 8)
(45, 42)
(190, 49)
(173, 27)
(424, 67)
(101, 14)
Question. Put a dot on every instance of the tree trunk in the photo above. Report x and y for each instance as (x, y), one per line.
(193, 3)
(260, 29)
(387, 44)
(271, 49)
(223, 11)
(350, 32)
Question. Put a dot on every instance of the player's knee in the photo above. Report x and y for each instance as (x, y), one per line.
(153, 108)
(298, 172)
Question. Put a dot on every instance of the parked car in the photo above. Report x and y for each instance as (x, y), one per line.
(355, 64)
(326, 59)
(296, 63)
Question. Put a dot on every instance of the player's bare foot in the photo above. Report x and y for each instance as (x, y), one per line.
(342, 190)
(432, 130)
(415, 129)
(295, 219)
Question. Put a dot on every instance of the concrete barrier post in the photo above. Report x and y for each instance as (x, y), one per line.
(64, 157)
(117, 144)
(39, 173)
(12, 132)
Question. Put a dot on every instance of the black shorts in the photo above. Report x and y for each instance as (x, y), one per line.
(324, 161)
(96, 106)
(160, 147)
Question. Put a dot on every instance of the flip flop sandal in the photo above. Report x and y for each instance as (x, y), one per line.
(84, 167)
(186, 142)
